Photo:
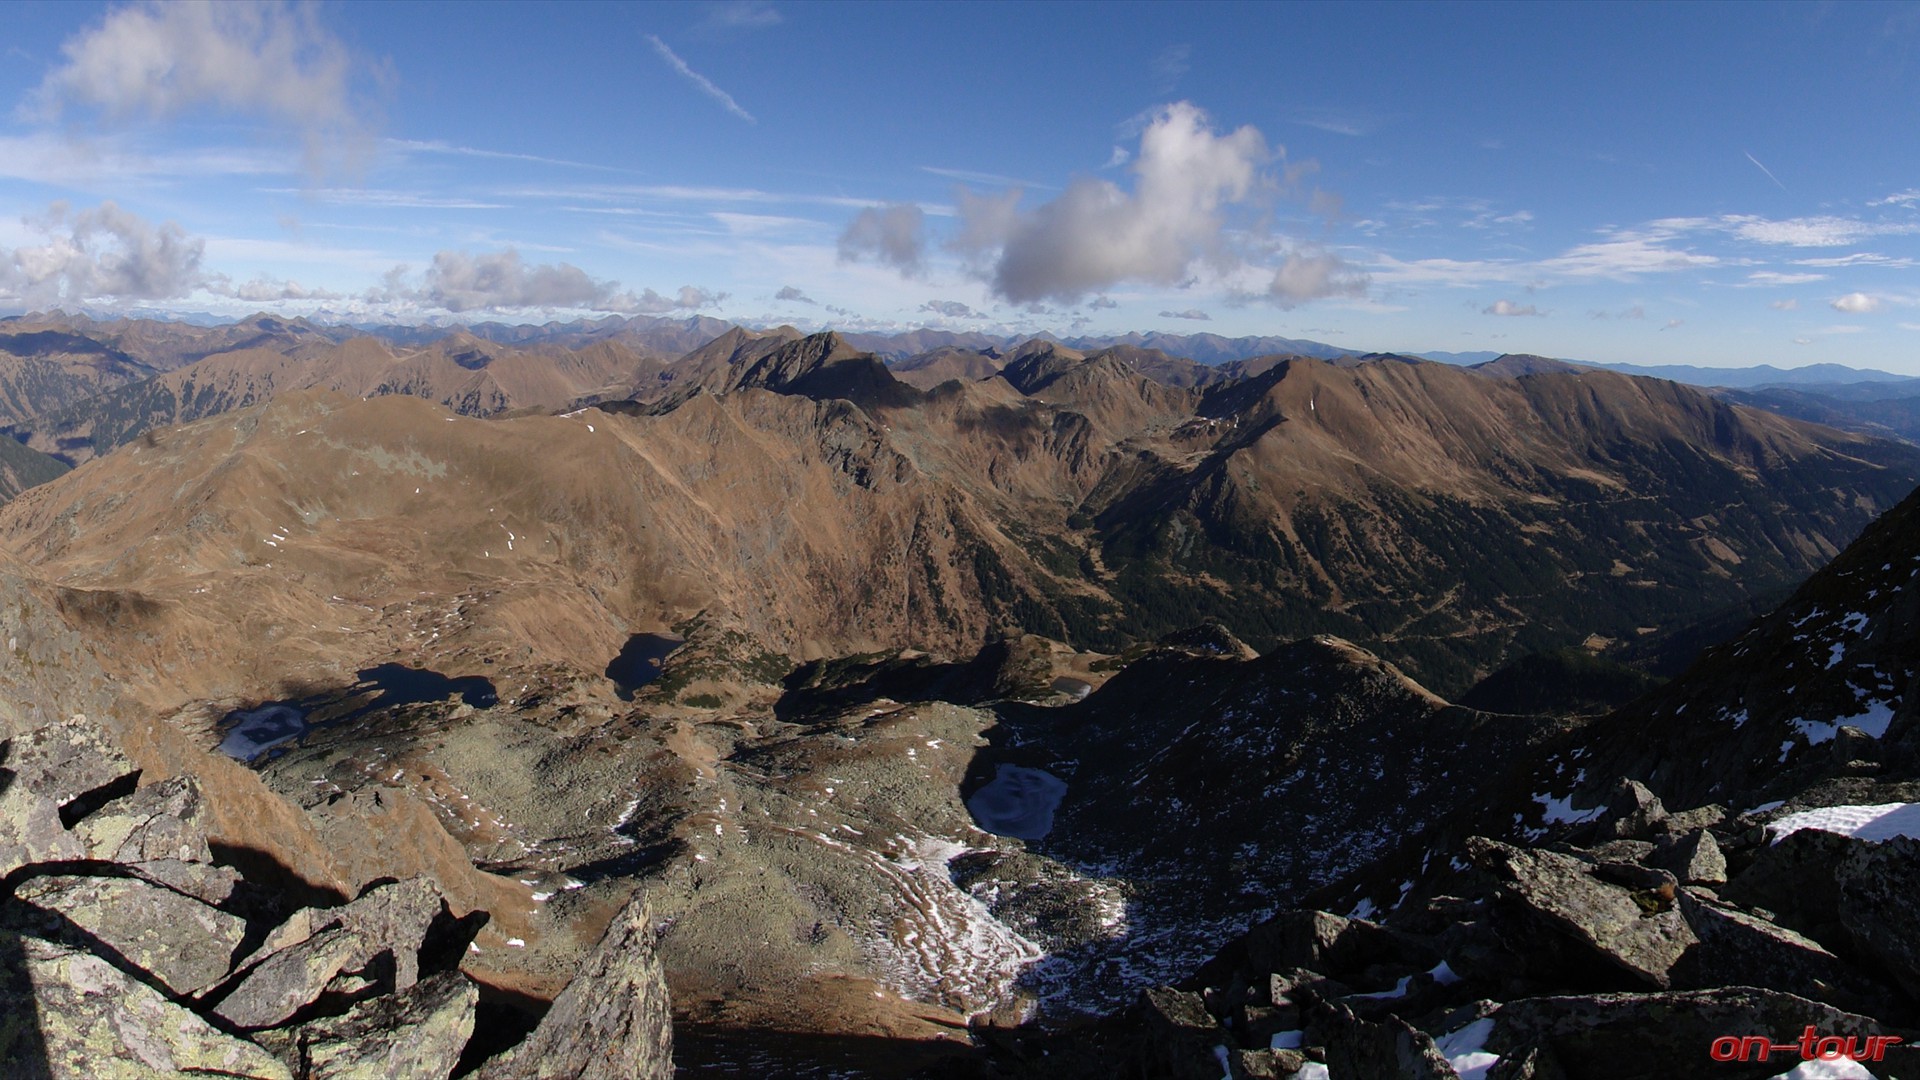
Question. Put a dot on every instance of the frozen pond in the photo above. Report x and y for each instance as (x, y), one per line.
(251, 733)
(1018, 802)
(255, 731)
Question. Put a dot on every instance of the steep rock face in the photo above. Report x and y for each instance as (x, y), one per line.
(1821, 689)
(1614, 935)
(612, 1022)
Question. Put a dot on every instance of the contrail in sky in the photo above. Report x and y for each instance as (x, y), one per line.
(1764, 169)
(705, 84)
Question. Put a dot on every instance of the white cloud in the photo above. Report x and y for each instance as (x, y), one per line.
(460, 281)
(892, 234)
(953, 309)
(106, 255)
(1789, 304)
(701, 81)
(247, 57)
(1095, 235)
(1823, 231)
(1773, 277)
(1191, 313)
(1621, 255)
(1856, 303)
(1171, 65)
(1304, 276)
(1860, 258)
(266, 291)
(1674, 324)
(1508, 307)
(741, 15)
(375, 197)
(1102, 303)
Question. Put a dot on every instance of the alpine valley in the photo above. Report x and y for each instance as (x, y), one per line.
(609, 698)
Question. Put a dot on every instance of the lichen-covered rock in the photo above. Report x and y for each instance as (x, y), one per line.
(394, 916)
(66, 1014)
(417, 1033)
(1388, 1049)
(160, 821)
(1878, 886)
(1741, 949)
(46, 774)
(1626, 929)
(1695, 858)
(1661, 1036)
(1797, 880)
(290, 979)
(185, 944)
(1178, 1035)
(1330, 944)
(203, 881)
(612, 1022)
(1633, 813)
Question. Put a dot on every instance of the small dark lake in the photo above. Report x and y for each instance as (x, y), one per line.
(267, 728)
(639, 662)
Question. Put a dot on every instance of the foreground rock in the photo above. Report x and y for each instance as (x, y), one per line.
(126, 952)
(612, 1022)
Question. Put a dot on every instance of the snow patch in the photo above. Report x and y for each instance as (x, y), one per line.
(1560, 811)
(1883, 821)
(1466, 1050)
(1875, 721)
(1842, 1069)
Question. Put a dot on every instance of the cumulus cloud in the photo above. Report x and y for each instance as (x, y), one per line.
(1095, 235)
(1508, 307)
(1789, 304)
(792, 295)
(1307, 276)
(1674, 324)
(953, 309)
(1102, 303)
(1856, 303)
(263, 290)
(106, 255)
(461, 281)
(704, 84)
(895, 235)
(248, 57)
(689, 298)
(1191, 313)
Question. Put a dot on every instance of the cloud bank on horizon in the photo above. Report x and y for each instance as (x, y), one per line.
(363, 162)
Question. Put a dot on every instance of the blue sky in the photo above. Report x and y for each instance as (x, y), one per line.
(1697, 183)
